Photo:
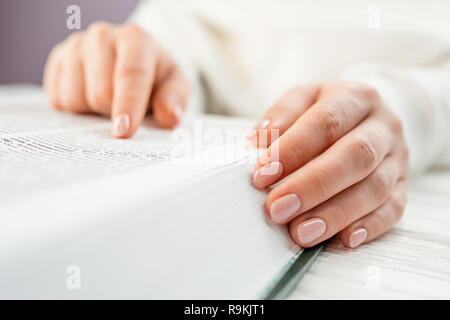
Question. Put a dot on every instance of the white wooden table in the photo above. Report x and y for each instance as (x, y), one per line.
(411, 261)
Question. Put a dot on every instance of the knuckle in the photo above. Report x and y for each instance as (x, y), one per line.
(130, 101)
(73, 105)
(294, 91)
(99, 109)
(275, 110)
(290, 99)
(75, 40)
(382, 184)
(132, 70)
(133, 30)
(55, 52)
(365, 153)
(333, 123)
(396, 124)
(99, 101)
(398, 205)
(363, 90)
(319, 182)
(289, 150)
(55, 55)
(99, 30)
(104, 91)
(77, 108)
(67, 103)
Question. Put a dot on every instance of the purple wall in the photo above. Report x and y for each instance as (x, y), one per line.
(30, 28)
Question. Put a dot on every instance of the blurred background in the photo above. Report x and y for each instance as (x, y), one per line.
(29, 29)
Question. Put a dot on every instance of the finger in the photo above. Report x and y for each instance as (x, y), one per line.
(133, 80)
(71, 83)
(283, 114)
(334, 115)
(51, 76)
(379, 221)
(98, 61)
(332, 216)
(170, 98)
(348, 161)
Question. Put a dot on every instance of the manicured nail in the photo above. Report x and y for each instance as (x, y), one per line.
(310, 230)
(357, 237)
(253, 135)
(267, 174)
(282, 209)
(263, 124)
(121, 125)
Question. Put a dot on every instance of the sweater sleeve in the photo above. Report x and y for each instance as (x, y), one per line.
(164, 20)
(420, 96)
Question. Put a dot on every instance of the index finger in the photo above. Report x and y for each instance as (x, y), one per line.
(134, 76)
(333, 115)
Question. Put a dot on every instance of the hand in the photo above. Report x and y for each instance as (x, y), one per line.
(117, 71)
(345, 161)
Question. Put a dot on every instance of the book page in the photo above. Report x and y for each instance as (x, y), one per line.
(60, 172)
(43, 149)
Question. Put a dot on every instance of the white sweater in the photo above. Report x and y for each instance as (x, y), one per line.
(242, 55)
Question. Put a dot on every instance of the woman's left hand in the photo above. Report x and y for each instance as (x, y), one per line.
(344, 159)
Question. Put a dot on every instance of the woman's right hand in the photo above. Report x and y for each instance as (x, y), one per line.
(117, 71)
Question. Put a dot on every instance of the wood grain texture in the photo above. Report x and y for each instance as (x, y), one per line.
(412, 261)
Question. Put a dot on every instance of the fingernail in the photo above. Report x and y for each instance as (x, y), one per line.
(121, 125)
(259, 138)
(253, 135)
(267, 174)
(357, 237)
(263, 124)
(310, 230)
(282, 209)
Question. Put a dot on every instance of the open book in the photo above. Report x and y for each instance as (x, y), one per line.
(166, 214)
